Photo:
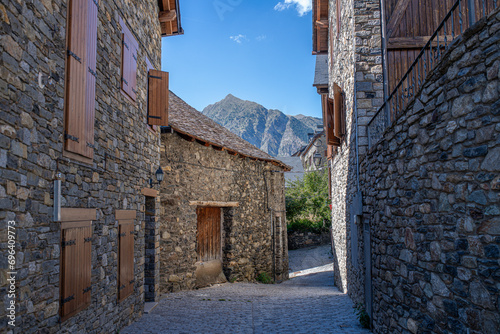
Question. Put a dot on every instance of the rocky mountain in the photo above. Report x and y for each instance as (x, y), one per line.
(270, 130)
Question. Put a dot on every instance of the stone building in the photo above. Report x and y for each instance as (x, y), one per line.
(314, 155)
(78, 146)
(222, 205)
(415, 174)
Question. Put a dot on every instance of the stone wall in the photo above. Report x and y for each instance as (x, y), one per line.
(431, 192)
(194, 172)
(299, 239)
(33, 43)
(355, 62)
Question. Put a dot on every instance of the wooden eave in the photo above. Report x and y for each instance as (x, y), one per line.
(320, 26)
(170, 17)
(218, 147)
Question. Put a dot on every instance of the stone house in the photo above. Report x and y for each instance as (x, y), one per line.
(412, 116)
(314, 155)
(222, 205)
(78, 145)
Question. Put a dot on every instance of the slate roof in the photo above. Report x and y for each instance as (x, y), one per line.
(297, 171)
(321, 71)
(186, 120)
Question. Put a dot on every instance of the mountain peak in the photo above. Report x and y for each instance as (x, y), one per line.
(270, 130)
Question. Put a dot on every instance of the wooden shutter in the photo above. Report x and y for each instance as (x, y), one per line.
(129, 62)
(158, 98)
(126, 243)
(126, 259)
(75, 269)
(329, 181)
(339, 16)
(209, 233)
(329, 121)
(339, 117)
(80, 77)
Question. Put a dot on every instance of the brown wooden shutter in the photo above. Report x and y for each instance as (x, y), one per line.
(339, 16)
(339, 119)
(158, 98)
(329, 182)
(129, 62)
(80, 78)
(126, 259)
(75, 269)
(328, 121)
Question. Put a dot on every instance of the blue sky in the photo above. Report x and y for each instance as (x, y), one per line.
(258, 50)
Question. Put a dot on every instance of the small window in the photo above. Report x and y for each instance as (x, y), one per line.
(129, 62)
(334, 121)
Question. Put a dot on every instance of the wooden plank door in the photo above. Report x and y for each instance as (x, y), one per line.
(209, 233)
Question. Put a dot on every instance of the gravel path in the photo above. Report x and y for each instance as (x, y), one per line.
(308, 303)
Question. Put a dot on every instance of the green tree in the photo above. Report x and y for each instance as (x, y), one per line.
(307, 204)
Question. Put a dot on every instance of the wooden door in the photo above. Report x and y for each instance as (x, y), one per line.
(209, 234)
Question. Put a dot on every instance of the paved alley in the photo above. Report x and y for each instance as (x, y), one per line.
(308, 303)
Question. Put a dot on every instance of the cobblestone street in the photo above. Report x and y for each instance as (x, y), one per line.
(308, 303)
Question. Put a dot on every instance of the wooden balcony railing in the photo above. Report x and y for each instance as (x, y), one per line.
(463, 14)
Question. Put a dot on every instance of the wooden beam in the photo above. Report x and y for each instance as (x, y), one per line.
(213, 203)
(125, 214)
(150, 192)
(218, 148)
(167, 16)
(78, 215)
(415, 42)
(397, 15)
(204, 143)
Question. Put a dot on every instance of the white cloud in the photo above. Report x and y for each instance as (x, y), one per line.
(302, 6)
(261, 38)
(238, 38)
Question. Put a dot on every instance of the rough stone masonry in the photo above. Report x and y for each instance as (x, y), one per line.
(431, 189)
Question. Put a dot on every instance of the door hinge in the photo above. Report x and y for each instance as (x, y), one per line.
(126, 45)
(91, 145)
(154, 77)
(131, 281)
(87, 289)
(121, 288)
(96, 3)
(89, 239)
(135, 57)
(135, 92)
(65, 243)
(131, 232)
(72, 54)
(70, 137)
(122, 234)
(68, 299)
(126, 83)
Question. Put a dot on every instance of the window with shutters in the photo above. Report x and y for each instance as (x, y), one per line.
(334, 121)
(158, 98)
(126, 279)
(129, 62)
(80, 79)
(76, 257)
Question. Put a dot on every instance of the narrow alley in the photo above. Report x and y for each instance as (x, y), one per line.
(307, 303)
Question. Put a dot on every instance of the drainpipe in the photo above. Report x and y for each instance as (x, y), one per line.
(273, 246)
